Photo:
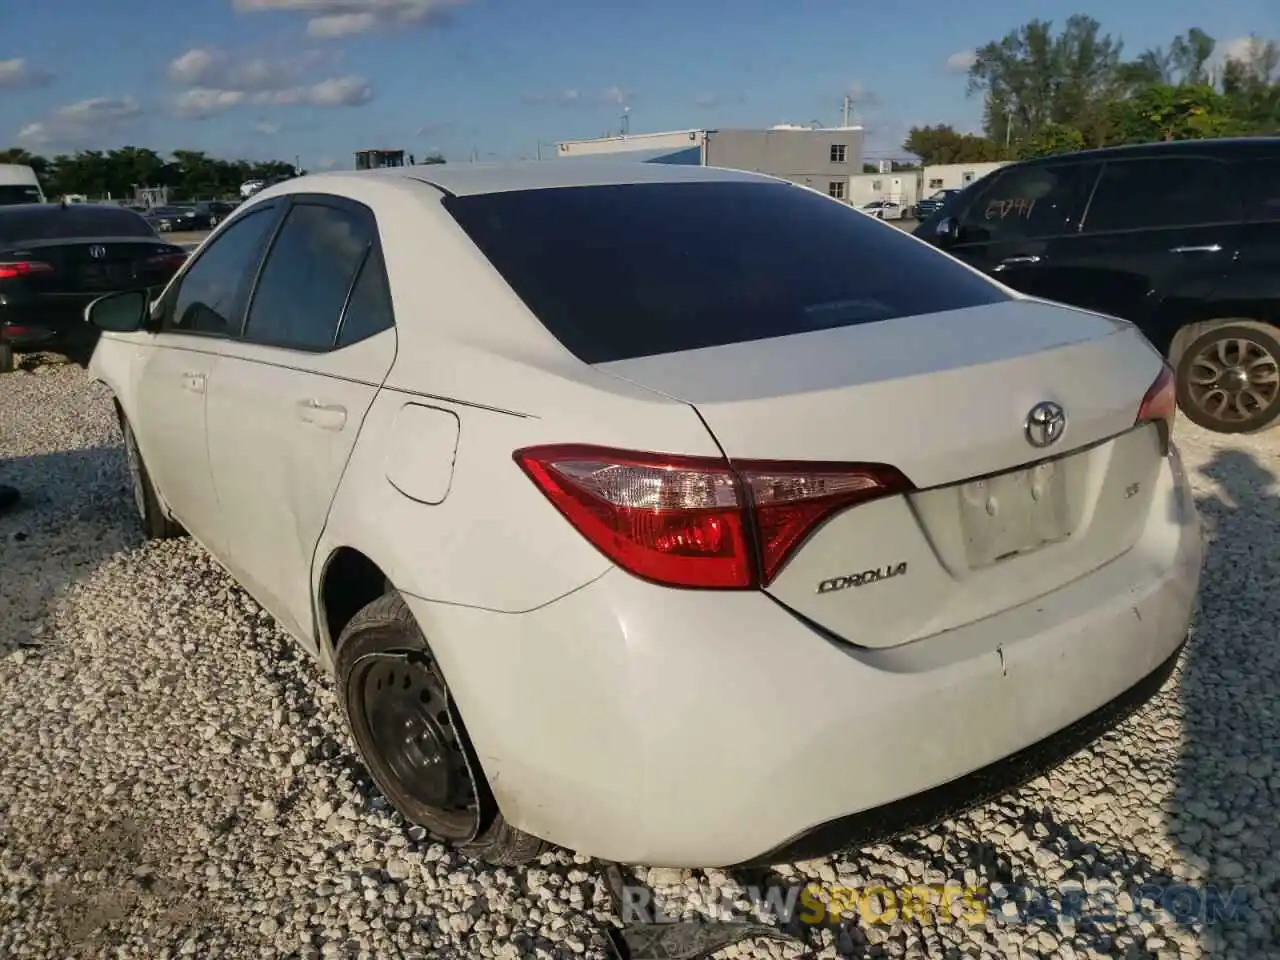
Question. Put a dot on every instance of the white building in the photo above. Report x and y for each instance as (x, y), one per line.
(953, 176)
(901, 186)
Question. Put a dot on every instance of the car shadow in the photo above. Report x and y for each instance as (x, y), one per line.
(73, 503)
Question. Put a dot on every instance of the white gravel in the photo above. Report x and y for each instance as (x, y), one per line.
(175, 779)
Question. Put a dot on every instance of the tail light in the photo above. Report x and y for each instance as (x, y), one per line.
(24, 268)
(698, 521)
(172, 261)
(1160, 405)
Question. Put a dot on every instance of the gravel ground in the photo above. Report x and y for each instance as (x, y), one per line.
(175, 778)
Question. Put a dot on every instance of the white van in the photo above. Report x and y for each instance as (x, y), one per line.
(19, 184)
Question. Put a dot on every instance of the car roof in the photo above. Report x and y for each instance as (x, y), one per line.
(468, 179)
(36, 209)
(1241, 148)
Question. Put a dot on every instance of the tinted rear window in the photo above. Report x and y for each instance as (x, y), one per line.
(73, 221)
(616, 272)
(12, 193)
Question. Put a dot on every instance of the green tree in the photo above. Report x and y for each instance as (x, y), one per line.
(1049, 139)
(1033, 77)
(944, 144)
(1185, 112)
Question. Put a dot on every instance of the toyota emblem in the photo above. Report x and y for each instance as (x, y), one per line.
(97, 251)
(1046, 423)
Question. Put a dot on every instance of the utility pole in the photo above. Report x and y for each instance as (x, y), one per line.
(846, 110)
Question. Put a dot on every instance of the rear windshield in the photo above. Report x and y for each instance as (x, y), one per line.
(13, 193)
(616, 272)
(70, 222)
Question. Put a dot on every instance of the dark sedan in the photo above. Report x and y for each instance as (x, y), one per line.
(55, 259)
(174, 219)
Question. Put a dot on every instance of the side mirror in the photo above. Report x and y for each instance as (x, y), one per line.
(948, 230)
(123, 312)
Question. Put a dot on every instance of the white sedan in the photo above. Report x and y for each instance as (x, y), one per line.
(673, 515)
(884, 209)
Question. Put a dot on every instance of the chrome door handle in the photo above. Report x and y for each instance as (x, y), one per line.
(193, 382)
(1207, 248)
(1013, 261)
(324, 416)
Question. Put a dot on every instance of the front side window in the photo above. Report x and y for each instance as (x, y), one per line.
(307, 276)
(1029, 202)
(633, 270)
(210, 295)
(13, 194)
(1162, 192)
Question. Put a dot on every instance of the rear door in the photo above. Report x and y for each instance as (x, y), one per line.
(1160, 235)
(291, 393)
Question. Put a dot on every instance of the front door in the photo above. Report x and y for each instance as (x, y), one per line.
(290, 396)
(196, 314)
(1011, 228)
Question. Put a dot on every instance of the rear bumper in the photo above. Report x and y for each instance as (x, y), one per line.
(48, 324)
(695, 728)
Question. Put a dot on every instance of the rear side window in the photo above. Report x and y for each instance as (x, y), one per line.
(1262, 190)
(369, 309)
(633, 270)
(1163, 192)
(1022, 203)
(56, 222)
(307, 276)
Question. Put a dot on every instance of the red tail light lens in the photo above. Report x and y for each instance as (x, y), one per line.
(24, 268)
(171, 261)
(1161, 401)
(698, 521)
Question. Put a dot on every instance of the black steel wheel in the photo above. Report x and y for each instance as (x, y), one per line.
(412, 739)
(414, 753)
(1228, 379)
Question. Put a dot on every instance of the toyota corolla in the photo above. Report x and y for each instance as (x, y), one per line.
(669, 514)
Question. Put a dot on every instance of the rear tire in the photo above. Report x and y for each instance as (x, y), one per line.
(412, 740)
(1228, 378)
(156, 524)
(8, 361)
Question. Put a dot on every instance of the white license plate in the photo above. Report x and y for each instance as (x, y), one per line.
(1014, 513)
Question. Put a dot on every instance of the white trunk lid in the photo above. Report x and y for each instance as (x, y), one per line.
(945, 399)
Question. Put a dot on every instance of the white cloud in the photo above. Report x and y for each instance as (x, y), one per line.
(200, 102)
(327, 163)
(961, 61)
(617, 96)
(340, 25)
(218, 81)
(330, 19)
(81, 124)
(566, 97)
(266, 127)
(19, 72)
(348, 91)
(708, 101)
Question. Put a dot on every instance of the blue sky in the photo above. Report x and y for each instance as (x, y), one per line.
(318, 79)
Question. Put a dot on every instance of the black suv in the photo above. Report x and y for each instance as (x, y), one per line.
(1182, 239)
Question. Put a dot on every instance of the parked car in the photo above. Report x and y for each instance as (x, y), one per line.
(19, 184)
(1180, 238)
(55, 260)
(215, 210)
(175, 218)
(620, 537)
(930, 205)
(883, 209)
